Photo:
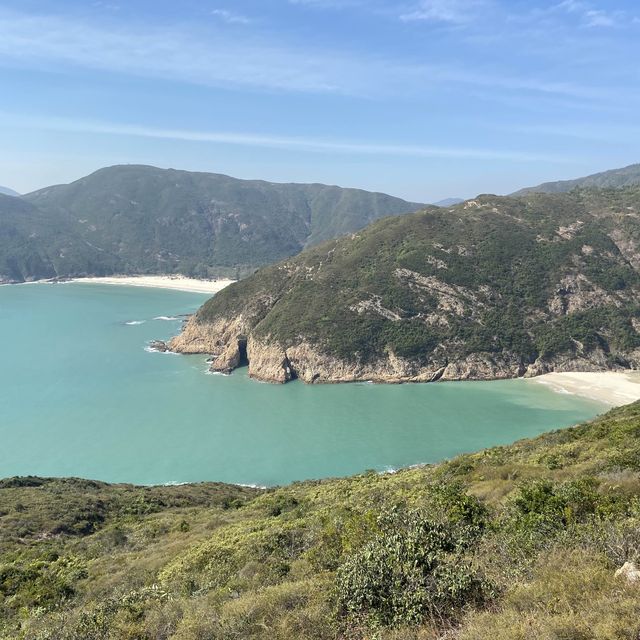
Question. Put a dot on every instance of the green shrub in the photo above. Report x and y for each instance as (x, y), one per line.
(414, 570)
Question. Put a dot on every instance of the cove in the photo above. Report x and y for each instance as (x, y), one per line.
(80, 396)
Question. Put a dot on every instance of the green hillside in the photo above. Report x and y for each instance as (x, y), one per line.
(616, 178)
(494, 288)
(515, 542)
(33, 244)
(138, 219)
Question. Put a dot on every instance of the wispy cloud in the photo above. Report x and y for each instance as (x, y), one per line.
(589, 15)
(610, 133)
(57, 43)
(53, 42)
(230, 17)
(453, 11)
(278, 142)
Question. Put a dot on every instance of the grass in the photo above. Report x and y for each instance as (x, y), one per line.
(512, 542)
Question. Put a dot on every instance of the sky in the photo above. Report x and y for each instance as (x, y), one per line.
(423, 99)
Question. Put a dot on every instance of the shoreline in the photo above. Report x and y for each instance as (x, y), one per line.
(613, 388)
(174, 282)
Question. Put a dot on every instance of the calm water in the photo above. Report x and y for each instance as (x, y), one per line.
(80, 396)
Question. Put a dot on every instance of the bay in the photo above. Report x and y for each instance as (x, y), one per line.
(80, 396)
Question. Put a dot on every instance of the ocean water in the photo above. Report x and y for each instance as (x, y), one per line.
(80, 396)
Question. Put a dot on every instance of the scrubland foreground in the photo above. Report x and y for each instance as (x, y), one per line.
(514, 542)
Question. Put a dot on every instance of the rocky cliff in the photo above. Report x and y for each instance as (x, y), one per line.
(494, 288)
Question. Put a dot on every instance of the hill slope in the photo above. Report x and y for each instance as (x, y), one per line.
(514, 542)
(139, 219)
(34, 245)
(616, 178)
(494, 288)
(8, 192)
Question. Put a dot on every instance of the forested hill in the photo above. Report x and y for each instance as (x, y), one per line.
(522, 541)
(497, 287)
(139, 219)
(615, 178)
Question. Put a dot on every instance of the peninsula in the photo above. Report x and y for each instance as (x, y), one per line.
(497, 287)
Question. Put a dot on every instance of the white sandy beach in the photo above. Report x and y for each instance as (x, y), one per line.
(610, 387)
(180, 283)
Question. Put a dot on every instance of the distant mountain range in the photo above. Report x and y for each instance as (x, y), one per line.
(497, 287)
(8, 192)
(140, 219)
(448, 202)
(616, 178)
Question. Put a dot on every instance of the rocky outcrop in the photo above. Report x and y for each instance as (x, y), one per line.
(224, 340)
(629, 572)
(230, 344)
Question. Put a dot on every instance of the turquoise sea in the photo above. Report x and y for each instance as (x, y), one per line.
(80, 396)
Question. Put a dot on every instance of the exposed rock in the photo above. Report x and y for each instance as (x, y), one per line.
(627, 246)
(629, 572)
(222, 340)
(158, 345)
(575, 292)
(375, 304)
(569, 232)
(227, 344)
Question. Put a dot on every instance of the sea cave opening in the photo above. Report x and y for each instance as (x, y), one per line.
(242, 349)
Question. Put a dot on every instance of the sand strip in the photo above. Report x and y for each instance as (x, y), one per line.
(179, 283)
(614, 388)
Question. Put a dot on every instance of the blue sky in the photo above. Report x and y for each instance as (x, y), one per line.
(420, 98)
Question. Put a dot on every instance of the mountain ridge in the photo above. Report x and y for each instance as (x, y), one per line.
(613, 178)
(141, 219)
(6, 191)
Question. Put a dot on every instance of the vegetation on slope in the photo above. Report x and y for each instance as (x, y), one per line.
(138, 219)
(527, 283)
(616, 178)
(514, 542)
(32, 245)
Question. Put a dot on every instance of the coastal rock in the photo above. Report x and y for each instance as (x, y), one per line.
(230, 343)
(223, 341)
(158, 345)
(595, 360)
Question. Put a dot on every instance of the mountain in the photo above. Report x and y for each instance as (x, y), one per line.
(34, 245)
(616, 178)
(497, 287)
(138, 219)
(8, 192)
(448, 202)
(520, 541)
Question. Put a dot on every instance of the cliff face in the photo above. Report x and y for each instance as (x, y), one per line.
(496, 288)
(270, 362)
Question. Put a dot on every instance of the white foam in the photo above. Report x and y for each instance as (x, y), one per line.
(150, 349)
(167, 318)
(132, 323)
(388, 470)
